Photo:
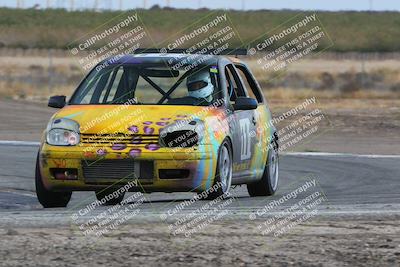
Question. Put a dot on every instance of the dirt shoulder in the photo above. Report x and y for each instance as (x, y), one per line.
(23, 121)
(343, 242)
(363, 126)
(366, 126)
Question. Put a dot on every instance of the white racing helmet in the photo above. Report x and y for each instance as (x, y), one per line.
(200, 86)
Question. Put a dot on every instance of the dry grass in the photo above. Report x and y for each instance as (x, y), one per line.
(23, 91)
(290, 93)
(56, 28)
(35, 77)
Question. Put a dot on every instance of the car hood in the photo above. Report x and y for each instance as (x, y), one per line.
(138, 119)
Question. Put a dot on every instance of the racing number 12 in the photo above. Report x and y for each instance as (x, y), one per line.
(245, 152)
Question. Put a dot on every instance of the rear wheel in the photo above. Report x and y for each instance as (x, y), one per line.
(108, 197)
(47, 198)
(223, 173)
(268, 184)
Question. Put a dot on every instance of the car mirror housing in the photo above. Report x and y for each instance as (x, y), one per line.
(245, 103)
(57, 101)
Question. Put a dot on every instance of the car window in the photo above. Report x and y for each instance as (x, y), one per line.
(234, 84)
(153, 84)
(229, 84)
(249, 83)
(108, 95)
(92, 85)
(146, 94)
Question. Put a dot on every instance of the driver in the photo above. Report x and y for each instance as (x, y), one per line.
(199, 86)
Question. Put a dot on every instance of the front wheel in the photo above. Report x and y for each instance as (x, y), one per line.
(268, 184)
(47, 198)
(223, 173)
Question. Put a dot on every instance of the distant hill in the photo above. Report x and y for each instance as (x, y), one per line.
(349, 31)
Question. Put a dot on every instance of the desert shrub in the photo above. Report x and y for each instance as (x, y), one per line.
(395, 87)
(350, 83)
(36, 70)
(327, 81)
(295, 80)
(378, 76)
(364, 80)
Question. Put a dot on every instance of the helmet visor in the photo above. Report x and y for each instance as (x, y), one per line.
(194, 86)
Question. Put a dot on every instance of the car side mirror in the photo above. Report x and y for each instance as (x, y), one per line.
(245, 103)
(57, 101)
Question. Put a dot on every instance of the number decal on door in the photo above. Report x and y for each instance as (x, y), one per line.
(245, 149)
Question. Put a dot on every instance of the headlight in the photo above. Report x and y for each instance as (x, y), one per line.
(182, 134)
(63, 132)
(62, 137)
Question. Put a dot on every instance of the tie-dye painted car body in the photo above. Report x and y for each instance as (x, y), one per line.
(114, 134)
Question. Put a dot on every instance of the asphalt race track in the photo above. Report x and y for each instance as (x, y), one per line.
(351, 184)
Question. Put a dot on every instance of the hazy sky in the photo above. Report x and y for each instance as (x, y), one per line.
(234, 4)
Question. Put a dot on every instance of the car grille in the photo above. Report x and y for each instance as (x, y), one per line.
(119, 138)
(183, 138)
(117, 169)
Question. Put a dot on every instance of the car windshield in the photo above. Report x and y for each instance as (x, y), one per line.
(148, 85)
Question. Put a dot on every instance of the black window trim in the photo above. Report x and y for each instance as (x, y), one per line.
(237, 79)
(252, 82)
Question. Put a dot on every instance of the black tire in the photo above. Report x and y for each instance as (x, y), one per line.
(265, 186)
(48, 198)
(113, 201)
(221, 190)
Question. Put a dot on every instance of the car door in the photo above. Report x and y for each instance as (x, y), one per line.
(264, 126)
(243, 128)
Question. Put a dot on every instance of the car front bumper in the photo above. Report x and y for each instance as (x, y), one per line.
(156, 168)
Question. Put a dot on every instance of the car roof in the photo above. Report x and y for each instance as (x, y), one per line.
(235, 60)
(170, 58)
